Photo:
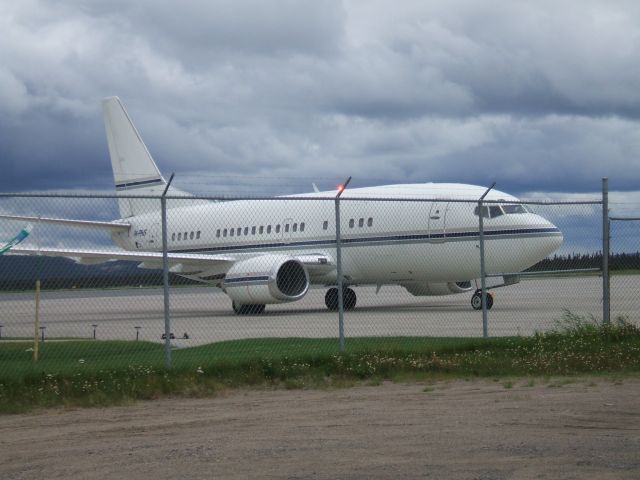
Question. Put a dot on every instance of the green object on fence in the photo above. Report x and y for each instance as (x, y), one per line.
(24, 233)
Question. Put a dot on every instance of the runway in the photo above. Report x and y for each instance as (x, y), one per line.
(205, 313)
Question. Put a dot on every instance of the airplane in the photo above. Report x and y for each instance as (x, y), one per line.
(271, 251)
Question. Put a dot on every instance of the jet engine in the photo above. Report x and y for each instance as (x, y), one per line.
(266, 279)
(422, 289)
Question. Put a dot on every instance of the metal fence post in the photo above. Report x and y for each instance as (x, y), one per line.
(339, 267)
(483, 271)
(606, 291)
(165, 277)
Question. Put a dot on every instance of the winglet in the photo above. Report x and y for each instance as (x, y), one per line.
(24, 233)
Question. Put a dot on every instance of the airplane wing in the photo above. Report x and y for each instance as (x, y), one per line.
(88, 256)
(180, 263)
(113, 226)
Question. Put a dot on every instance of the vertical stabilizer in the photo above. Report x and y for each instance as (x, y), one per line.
(134, 171)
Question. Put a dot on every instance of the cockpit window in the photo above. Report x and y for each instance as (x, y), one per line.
(495, 211)
(485, 212)
(511, 209)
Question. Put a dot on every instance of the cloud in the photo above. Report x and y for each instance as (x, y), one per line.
(537, 96)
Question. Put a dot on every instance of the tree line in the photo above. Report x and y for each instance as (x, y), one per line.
(21, 272)
(571, 261)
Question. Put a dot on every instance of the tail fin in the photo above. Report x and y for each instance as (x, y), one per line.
(134, 171)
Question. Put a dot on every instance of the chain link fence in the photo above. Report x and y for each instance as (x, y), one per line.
(624, 263)
(274, 271)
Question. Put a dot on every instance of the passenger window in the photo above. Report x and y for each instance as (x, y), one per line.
(302, 226)
(232, 232)
(370, 222)
(239, 231)
(295, 227)
(173, 237)
(261, 229)
(224, 232)
(278, 228)
(361, 222)
(325, 224)
(351, 223)
(191, 235)
(180, 236)
(198, 235)
(218, 233)
(286, 227)
(268, 228)
(253, 230)
(246, 231)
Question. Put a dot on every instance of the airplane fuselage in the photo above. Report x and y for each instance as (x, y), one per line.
(385, 240)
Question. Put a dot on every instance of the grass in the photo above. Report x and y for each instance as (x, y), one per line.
(111, 372)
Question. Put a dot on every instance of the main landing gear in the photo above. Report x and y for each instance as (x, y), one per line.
(248, 309)
(476, 300)
(348, 299)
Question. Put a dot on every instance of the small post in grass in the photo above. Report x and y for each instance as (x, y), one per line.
(94, 330)
(36, 344)
(1, 331)
(137, 333)
(42, 329)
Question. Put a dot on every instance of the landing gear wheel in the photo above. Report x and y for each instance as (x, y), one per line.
(331, 299)
(476, 300)
(248, 308)
(348, 299)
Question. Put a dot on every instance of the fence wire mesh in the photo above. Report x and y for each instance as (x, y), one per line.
(624, 263)
(411, 267)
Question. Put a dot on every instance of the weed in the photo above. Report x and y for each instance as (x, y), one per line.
(121, 372)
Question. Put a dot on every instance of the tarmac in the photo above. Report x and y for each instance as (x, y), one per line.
(205, 313)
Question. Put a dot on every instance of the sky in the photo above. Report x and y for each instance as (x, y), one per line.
(268, 96)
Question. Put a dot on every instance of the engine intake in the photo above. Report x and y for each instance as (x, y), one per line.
(266, 279)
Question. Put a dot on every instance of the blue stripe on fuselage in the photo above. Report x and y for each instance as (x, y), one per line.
(389, 239)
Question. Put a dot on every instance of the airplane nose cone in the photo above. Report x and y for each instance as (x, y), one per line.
(553, 241)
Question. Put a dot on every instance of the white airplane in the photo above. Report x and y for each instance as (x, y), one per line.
(271, 251)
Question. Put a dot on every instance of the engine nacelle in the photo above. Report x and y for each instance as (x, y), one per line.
(266, 279)
(422, 289)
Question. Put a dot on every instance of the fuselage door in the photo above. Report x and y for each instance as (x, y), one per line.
(437, 221)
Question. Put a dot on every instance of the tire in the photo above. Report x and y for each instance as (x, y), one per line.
(331, 299)
(476, 300)
(349, 299)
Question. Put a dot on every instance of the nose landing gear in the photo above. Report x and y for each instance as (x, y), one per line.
(476, 300)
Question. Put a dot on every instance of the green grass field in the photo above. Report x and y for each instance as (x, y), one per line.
(88, 372)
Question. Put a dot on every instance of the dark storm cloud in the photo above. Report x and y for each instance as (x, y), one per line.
(536, 95)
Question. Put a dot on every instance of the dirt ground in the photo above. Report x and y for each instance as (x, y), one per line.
(587, 429)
